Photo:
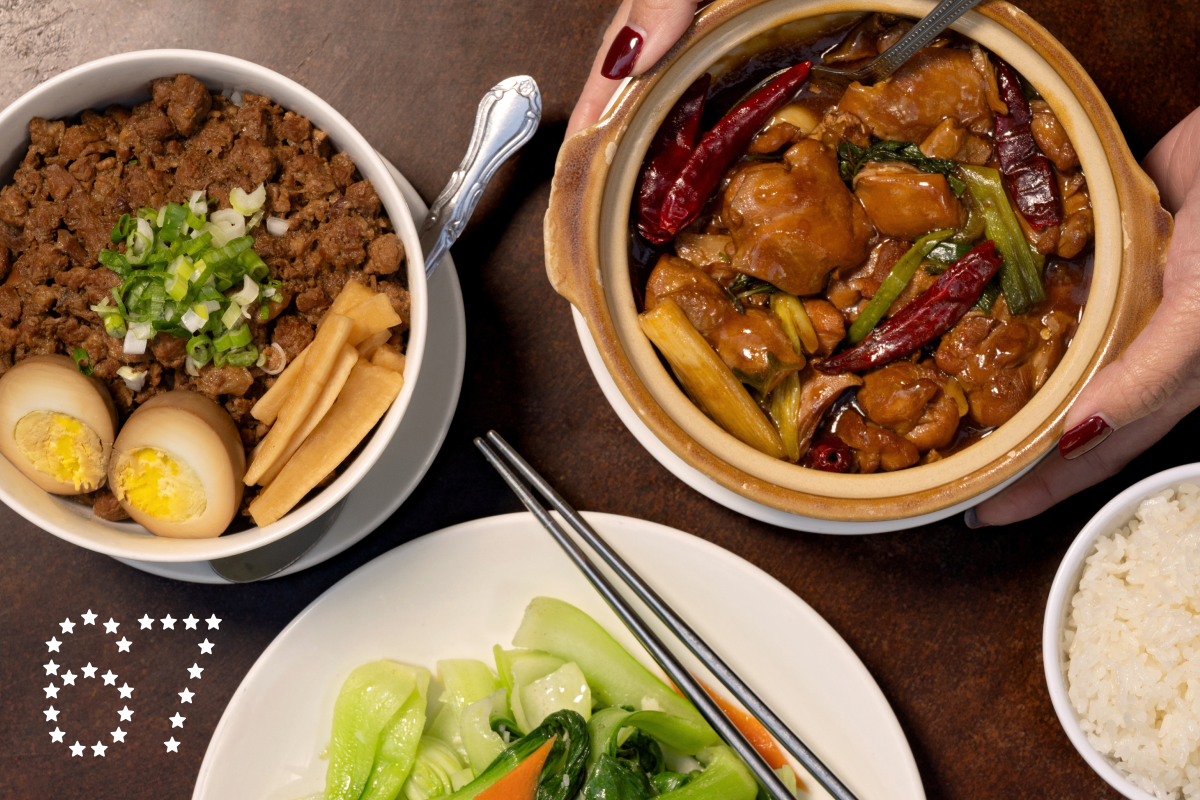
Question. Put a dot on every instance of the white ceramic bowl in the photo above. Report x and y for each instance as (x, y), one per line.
(1115, 514)
(125, 79)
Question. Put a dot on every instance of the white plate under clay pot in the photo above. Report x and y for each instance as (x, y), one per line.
(417, 441)
(458, 592)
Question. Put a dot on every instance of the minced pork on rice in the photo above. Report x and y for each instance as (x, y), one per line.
(1133, 640)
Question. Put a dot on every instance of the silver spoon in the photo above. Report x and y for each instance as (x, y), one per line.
(894, 57)
(507, 118)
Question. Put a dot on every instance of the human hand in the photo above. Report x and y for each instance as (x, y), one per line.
(640, 34)
(1134, 401)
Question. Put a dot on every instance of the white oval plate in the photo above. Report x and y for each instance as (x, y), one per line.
(732, 500)
(417, 441)
(458, 592)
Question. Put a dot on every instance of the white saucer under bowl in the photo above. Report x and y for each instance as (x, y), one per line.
(731, 500)
(417, 441)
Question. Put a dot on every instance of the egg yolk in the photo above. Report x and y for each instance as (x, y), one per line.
(62, 447)
(159, 484)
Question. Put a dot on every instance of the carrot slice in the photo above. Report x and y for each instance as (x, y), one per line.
(751, 728)
(522, 782)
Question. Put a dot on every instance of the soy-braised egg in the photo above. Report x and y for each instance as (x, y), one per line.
(56, 425)
(177, 466)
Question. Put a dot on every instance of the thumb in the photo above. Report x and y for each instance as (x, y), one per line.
(640, 34)
(1162, 356)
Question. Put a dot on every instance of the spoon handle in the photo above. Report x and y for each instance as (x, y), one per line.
(921, 34)
(507, 118)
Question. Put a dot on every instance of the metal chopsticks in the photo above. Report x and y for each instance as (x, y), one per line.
(683, 679)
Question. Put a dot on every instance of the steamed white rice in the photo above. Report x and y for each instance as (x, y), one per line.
(1133, 644)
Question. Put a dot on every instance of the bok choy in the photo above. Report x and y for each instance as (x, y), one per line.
(606, 727)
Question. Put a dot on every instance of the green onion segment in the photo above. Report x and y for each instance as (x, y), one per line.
(184, 273)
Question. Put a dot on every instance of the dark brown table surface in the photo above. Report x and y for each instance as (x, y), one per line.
(948, 620)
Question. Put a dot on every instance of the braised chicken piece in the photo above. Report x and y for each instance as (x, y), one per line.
(1000, 363)
(934, 84)
(847, 291)
(876, 447)
(793, 223)
(951, 141)
(910, 399)
(818, 392)
(1078, 224)
(754, 346)
(702, 299)
(1051, 138)
(703, 249)
(905, 203)
(828, 322)
(839, 126)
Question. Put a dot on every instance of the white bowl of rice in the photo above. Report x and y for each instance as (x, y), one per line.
(1121, 641)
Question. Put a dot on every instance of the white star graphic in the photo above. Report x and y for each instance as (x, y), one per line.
(51, 668)
(110, 678)
(56, 735)
(67, 626)
(146, 622)
(168, 622)
(123, 645)
(69, 678)
(98, 749)
(206, 647)
(110, 626)
(126, 714)
(51, 714)
(189, 624)
(194, 670)
(52, 691)
(185, 696)
(53, 645)
(89, 618)
(177, 720)
(213, 622)
(89, 671)
(77, 749)
(118, 735)
(126, 691)
(172, 745)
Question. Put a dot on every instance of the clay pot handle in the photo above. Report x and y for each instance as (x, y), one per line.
(571, 235)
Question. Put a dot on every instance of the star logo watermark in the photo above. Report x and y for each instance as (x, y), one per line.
(64, 680)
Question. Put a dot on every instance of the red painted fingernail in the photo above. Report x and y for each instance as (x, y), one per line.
(1084, 437)
(972, 521)
(622, 54)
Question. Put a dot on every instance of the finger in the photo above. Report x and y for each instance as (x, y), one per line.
(653, 27)
(1174, 163)
(598, 90)
(641, 33)
(1163, 355)
(1056, 478)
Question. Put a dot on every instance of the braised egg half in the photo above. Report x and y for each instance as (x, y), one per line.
(56, 425)
(177, 466)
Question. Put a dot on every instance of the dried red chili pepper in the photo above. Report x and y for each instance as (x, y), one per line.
(1029, 173)
(925, 318)
(722, 146)
(668, 152)
(829, 454)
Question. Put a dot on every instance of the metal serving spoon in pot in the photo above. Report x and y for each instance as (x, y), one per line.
(887, 62)
(507, 118)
